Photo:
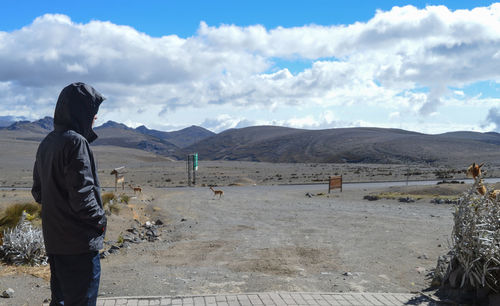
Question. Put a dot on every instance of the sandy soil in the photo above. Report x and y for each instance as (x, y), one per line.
(264, 238)
(149, 170)
(264, 234)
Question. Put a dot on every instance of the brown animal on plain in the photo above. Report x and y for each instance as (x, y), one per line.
(474, 171)
(217, 192)
(136, 189)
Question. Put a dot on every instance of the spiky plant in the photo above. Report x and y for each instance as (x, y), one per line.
(476, 239)
(23, 244)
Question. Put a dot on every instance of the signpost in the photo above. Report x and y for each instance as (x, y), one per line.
(119, 174)
(192, 167)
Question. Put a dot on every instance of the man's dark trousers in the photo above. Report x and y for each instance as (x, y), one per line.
(74, 279)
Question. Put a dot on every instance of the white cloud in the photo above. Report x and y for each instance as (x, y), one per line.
(379, 62)
(493, 118)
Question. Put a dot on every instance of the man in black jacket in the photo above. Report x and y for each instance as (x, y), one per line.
(65, 183)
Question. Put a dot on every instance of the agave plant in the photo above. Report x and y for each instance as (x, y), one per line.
(476, 240)
(23, 244)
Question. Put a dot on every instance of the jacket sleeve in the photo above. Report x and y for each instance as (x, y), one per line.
(81, 186)
(36, 190)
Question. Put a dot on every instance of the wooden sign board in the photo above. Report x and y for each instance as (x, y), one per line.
(119, 177)
(335, 182)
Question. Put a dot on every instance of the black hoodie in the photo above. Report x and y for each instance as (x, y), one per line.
(65, 178)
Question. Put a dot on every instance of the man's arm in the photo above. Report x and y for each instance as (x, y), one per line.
(81, 187)
(36, 189)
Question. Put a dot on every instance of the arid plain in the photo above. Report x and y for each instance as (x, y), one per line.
(276, 228)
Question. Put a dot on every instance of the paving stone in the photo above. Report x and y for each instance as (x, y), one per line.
(199, 301)
(132, 302)
(391, 299)
(401, 298)
(340, 298)
(372, 300)
(307, 296)
(121, 302)
(266, 299)
(312, 302)
(143, 302)
(277, 299)
(298, 299)
(210, 299)
(384, 300)
(255, 299)
(270, 299)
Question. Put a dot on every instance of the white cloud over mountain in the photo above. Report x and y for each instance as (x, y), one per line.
(403, 61)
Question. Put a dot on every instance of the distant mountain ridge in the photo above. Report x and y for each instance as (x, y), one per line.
(118, 134)
(289, 145)
(182, 138)
(39, 126)
(349, 145)
(8, 120)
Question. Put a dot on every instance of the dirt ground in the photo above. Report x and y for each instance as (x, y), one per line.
(264, 238)
(268, 232)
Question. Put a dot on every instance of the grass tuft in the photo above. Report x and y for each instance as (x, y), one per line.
(124, 198)
(12, 214)
(107, 198)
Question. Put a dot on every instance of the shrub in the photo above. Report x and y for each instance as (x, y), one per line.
(120, 239)
(124, 198)
(12, 214)
(108, 197)
(476, 241)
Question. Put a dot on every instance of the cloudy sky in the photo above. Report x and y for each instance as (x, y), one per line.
(427, 66)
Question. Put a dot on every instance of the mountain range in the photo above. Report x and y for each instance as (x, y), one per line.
(282, 144)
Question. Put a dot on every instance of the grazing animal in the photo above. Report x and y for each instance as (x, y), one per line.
(474, 171)
(217, 192)
(136, 189)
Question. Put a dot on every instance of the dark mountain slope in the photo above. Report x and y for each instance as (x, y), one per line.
(181, 138)
(352, 145)
(117, 134)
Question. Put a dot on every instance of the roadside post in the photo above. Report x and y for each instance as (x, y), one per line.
(119, 174)
(192, 167)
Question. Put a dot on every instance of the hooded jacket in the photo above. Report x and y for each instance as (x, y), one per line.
(65, 178)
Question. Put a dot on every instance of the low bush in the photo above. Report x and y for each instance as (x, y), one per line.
(12, 214)
(107, 198)
(124, 198)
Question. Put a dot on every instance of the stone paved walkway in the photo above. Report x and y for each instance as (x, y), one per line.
(278, 299)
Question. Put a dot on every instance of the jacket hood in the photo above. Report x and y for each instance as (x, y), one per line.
(76, 107)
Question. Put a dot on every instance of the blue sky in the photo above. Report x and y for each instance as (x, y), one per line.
(226, 64)
(158, 18)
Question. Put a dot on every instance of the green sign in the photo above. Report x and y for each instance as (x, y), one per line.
(195, 161)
